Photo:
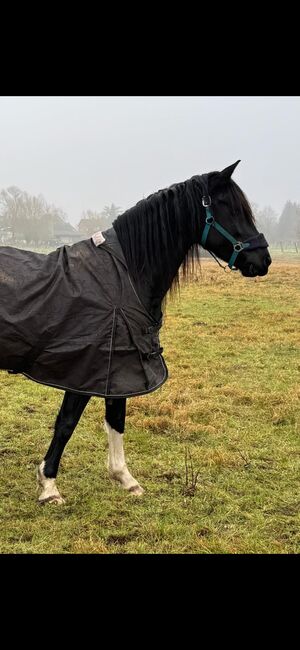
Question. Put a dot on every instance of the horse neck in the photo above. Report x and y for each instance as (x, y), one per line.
(155, 286)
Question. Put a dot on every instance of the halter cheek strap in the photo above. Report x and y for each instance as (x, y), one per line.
(258, 241)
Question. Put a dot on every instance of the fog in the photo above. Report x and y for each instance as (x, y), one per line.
(82, 153)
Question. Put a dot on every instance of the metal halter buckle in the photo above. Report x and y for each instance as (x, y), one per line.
(238, 246)
(206, 201)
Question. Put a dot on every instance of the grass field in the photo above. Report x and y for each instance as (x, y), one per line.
(231, 408)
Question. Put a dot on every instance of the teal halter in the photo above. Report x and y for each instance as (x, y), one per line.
(258, 241)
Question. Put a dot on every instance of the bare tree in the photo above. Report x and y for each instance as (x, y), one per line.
(289, 221)
(267, 222)
(111, 212)
(29, 218)
(10, 208)
(92, 221)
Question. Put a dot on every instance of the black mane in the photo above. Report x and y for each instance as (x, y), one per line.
(169, 220)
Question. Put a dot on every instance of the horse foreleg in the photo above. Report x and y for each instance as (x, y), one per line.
(114, 424)
(69, 415)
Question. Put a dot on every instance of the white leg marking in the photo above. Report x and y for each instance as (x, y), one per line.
(49, 492)
(116, 462)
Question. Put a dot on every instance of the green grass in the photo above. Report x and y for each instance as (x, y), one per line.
(232, 402)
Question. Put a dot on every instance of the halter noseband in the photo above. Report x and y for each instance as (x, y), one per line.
(258, 241)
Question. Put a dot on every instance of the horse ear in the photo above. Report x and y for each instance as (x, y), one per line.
(228, 171)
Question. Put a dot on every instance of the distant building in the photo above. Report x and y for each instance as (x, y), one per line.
(61, 232)
(64, 233)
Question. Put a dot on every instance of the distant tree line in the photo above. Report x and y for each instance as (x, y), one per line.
(31, 220)
(91, 221)
(285, 228)
(26, 219)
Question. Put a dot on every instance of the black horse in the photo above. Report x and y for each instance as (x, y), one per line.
(159, 240)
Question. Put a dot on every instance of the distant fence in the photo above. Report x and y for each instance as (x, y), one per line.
(290, 246)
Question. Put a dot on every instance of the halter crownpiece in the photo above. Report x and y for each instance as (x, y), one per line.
(258, 241)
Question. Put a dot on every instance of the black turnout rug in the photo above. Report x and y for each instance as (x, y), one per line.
(72, 319)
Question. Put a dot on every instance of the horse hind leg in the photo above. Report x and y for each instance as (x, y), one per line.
(114, 426)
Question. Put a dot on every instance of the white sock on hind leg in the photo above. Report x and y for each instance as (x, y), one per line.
(116, 461)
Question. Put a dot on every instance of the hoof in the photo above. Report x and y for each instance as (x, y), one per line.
(136, 491)
(50, 493)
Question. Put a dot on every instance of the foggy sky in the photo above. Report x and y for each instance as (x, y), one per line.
(85, 152)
